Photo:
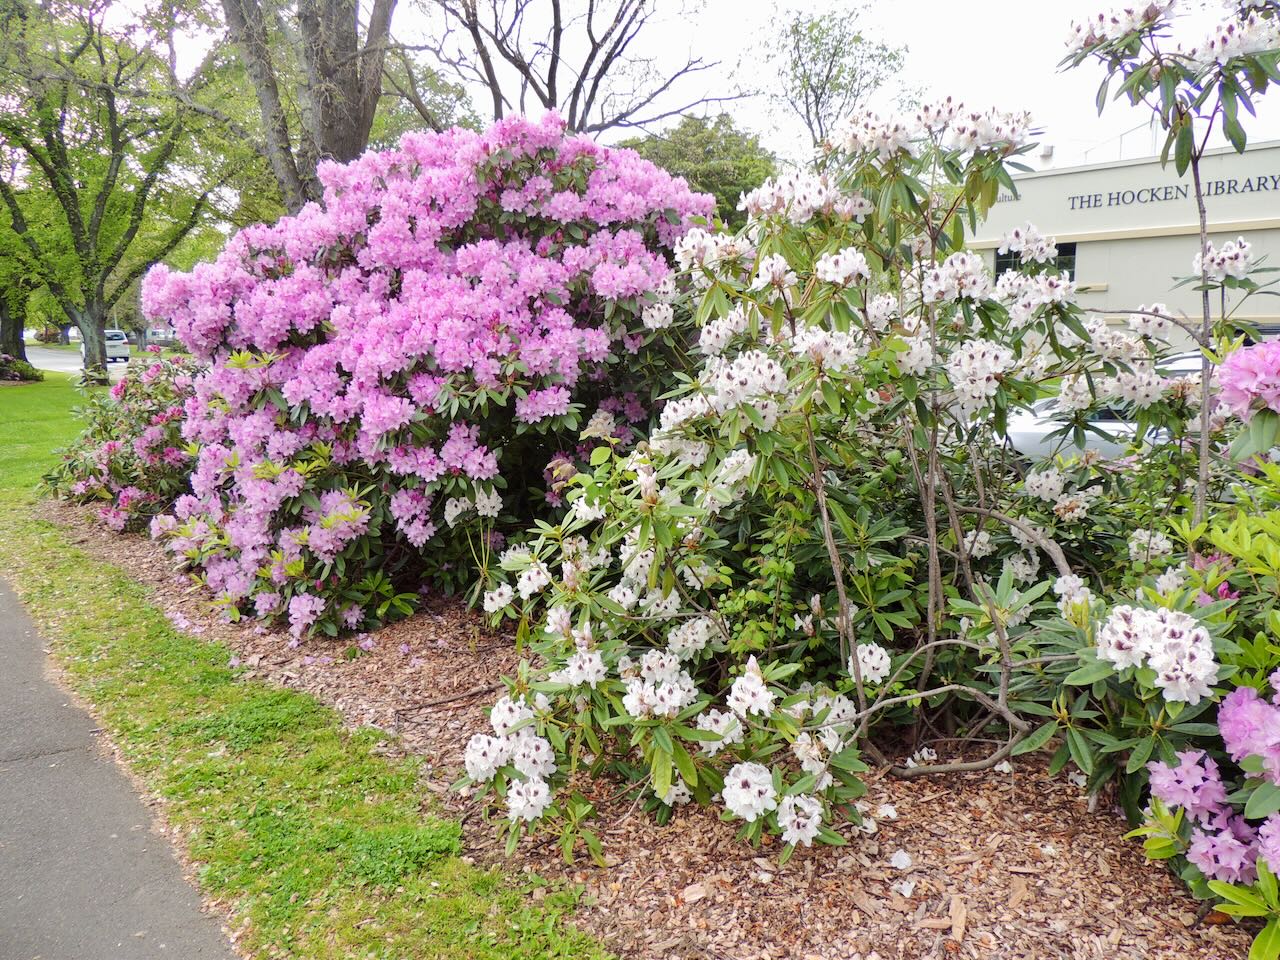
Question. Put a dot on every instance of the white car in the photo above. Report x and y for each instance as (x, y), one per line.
(1031, 431)
(117, 346)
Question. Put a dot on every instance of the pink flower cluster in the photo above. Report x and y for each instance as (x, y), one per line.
(1224, 846)
(1249, 379)
(131, 456)
(427, 335)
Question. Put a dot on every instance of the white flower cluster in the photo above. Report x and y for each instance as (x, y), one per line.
(723, 723)
(800, 196)
(975, 369)
(662, 688)
(774, 274)
(832, 350)
(947, 121)
(750, 377)
(522, 748)
(842, 267)
(499, 598)
(1172, 643)
(1152, 321)
(718, 333)
(1110, 343)
(454, 508)
(750, 694)
(1235, 37)
(1044, 485)
(873, 662)
(1147, 545)
(1072, 593)
(1074, 505)
(918, 356)
(691, 637)
(1023, 295)
(800, 818)
(1029, 244)
(1141, 385)
(1023, 567)
(712, 251)
(749, 792)
(584, 668)
(1114, 24)
(978, 544)
(962, 275)
(1233, 259)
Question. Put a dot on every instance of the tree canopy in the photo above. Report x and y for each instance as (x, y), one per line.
(714, 156)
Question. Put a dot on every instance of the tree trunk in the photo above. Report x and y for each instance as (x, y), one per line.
(12, 319)
(92, 323)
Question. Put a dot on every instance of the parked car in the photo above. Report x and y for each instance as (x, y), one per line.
(1031, 432)
(117, 346)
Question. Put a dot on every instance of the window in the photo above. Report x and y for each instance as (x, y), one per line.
(1065, 261)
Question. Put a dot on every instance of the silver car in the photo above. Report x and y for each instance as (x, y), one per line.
(1031, 432)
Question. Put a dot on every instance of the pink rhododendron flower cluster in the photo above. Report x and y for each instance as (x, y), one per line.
(393, 368)
(131, 457)
(1249, 379)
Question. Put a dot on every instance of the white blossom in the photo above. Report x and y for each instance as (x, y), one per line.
(485, 755)
(749, 693)
(527, 799)
(748, 791)
(800, 818)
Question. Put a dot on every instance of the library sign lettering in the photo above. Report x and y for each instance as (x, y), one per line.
(1231, 186)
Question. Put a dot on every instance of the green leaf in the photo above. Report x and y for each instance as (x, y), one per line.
(1267, 944)
(684, 763)
(660, 767)
(1078, 745)
(1036, 740)
(1264, 801)
(1089, 673)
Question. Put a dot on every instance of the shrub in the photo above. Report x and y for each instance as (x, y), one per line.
(131, 457)
(400, 373)
(827, 528)
(13, 369)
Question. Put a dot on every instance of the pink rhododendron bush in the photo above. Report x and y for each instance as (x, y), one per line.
(131, 458)
(400, 373)
(828, 534)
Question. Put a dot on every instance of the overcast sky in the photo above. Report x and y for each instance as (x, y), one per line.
(985, 52)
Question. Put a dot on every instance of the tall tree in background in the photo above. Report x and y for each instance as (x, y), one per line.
(714, 156)
(582, 60)
(338, 89)
(92, 133)
(827, 67)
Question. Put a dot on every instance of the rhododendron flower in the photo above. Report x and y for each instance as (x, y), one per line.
(749, 792)
(1249, 379)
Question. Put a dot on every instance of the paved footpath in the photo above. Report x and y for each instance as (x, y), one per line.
(82, 875)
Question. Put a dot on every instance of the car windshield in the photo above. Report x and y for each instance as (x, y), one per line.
(115, 335)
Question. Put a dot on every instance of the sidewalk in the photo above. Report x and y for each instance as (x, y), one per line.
(82, 875)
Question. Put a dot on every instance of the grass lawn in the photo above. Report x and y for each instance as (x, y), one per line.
(318, 842)
(66, 347)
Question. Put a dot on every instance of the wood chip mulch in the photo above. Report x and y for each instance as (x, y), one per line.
(1011, 866)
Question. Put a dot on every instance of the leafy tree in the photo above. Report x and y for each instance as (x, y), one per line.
(827, 67)
(94, 129)
(714, 156)
(17, 283)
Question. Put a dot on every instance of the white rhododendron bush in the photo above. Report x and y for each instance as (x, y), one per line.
(826, 532)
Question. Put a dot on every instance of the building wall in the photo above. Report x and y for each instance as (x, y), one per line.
(1136, 226)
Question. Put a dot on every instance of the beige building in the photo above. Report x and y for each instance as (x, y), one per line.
(1125, 230)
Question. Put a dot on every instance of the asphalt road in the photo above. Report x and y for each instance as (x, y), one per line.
(82, 874)
(66, 361)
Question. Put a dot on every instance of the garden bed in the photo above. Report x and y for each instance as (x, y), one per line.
(1003, 865)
